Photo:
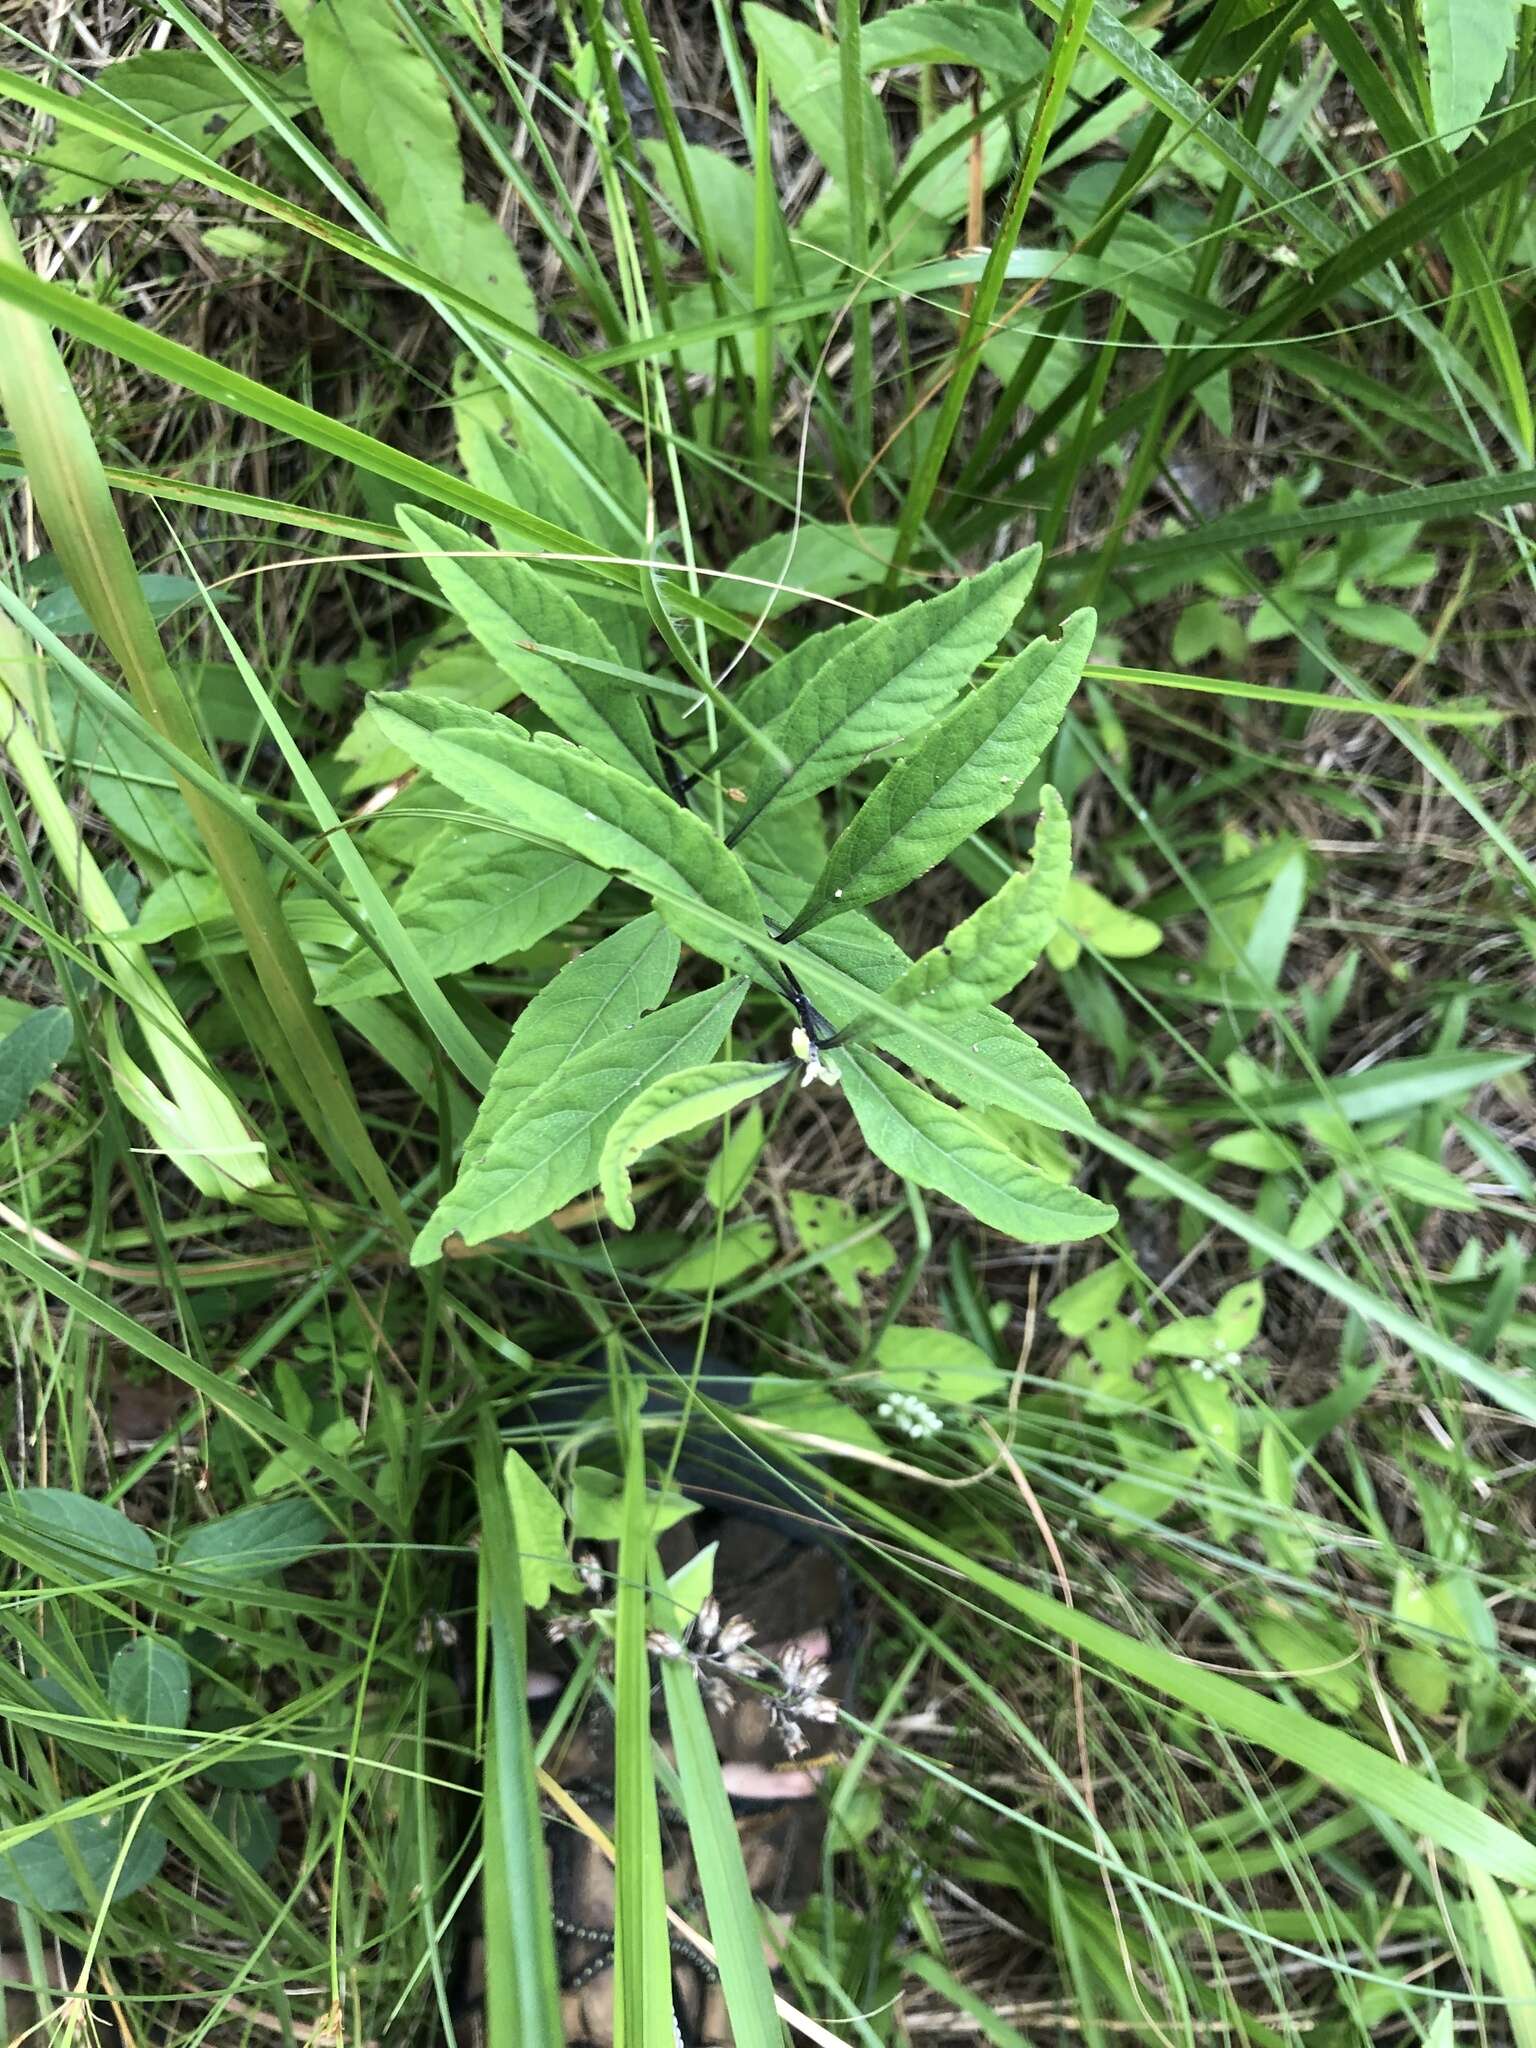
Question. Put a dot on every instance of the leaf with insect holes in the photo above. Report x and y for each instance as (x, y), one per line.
(543, 639)
(841, 1240)
(887, 683)
(608, 988)
(475, 895)
(669, 1107)
(183, 93)
(926, 1140)
(29, 1052)
(551, 1147)
(561, 794)
(1467, 44)
(992, 951)
(961, 775)
(802, 68)
(387, 107)
(938, 1365)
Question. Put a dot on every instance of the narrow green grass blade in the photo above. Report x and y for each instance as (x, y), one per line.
(522, 1973)
(262, 1423)
(1341, 1760)
(1262, 527)
(735, 1924)
(642, 1951)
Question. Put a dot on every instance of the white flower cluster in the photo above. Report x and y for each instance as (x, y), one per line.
(1213, 1368)
(911, 1415)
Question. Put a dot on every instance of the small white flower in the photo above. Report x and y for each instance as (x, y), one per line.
(804, 1047)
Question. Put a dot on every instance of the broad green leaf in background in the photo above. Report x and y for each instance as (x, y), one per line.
(726, 192)
(249, 1823)
(474, 896)
(940, 1147)
(1089, 918)
(667, 1109)
(179, 91)
(937, 1364)
(739, 1250)
(608, 988)
(550, 1149)
(253, 1543)
(1322, 1660)
(961, 775)
(81, 1538)
(539, 1521)
(130, 786)
(543, 639)
(537, 442)
(946, 32)
(832, 561)
(885, 683)
(39, 1875)
(150, 1684)
(567, 797)
(387, 108)
(1422, 1180)
(29, 1052)
(1468, 43)
(802, 68)
(597, 1505)
(731, 1170)
(992, 951)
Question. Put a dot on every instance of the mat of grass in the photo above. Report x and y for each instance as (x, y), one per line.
(846, 685)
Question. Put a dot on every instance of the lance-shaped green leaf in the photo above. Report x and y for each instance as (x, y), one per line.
(984, 1058)
(551, 1147)
(608, 988)
(543, 639)
(961, 775)
(761, 703)
(582, 470)
(475, 895)
(887, 683)
(669, 1107)
(387, 107)
(567, 797)
(926, 1140)
(997, 945)
(802, 68)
